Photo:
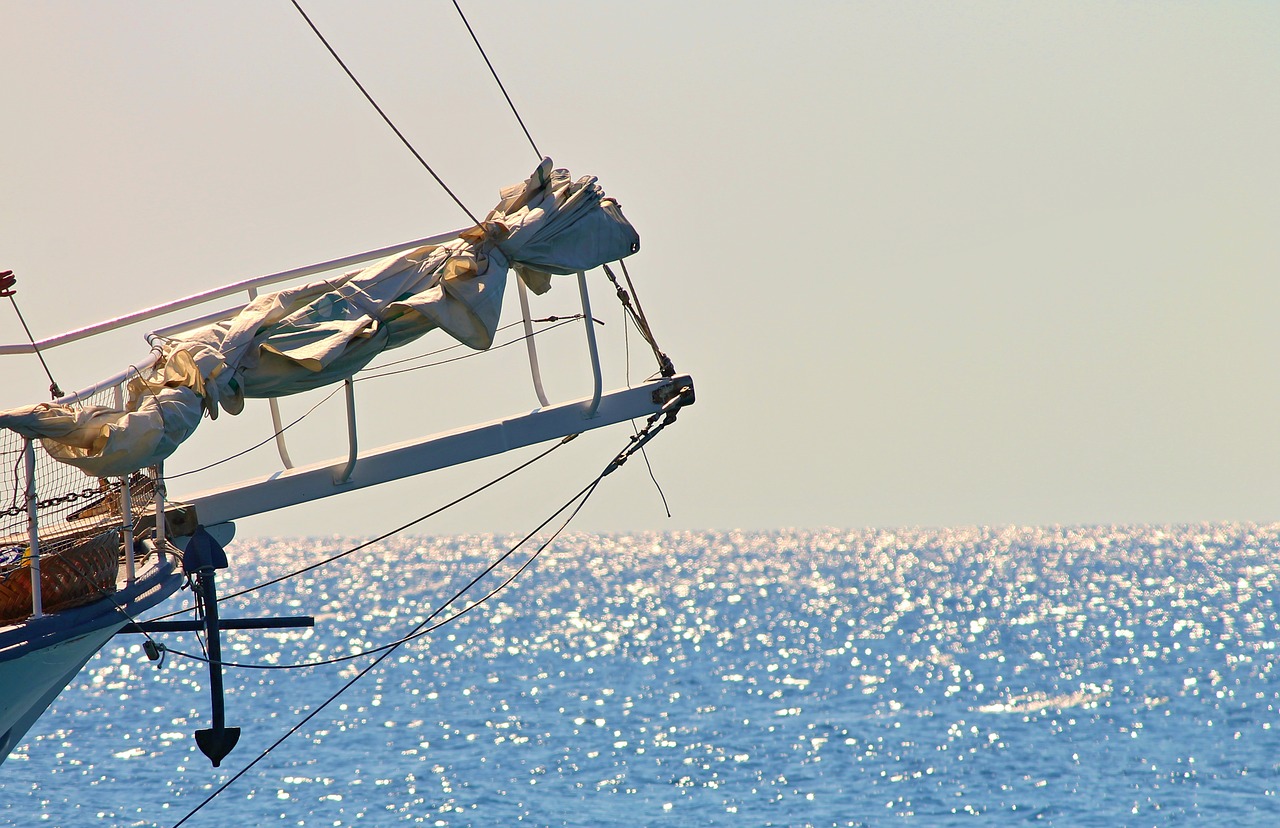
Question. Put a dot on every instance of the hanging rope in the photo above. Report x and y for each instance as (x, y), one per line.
(377, 372)
(425, 626)
(494, 72)
(394, 128)
(653, 477)
(7, 282)
(558, 319)
(626, 360)
(260, 444)
(384, 535)
(334, 697)
(655, 424)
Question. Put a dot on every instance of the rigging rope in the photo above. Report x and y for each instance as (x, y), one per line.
(334, 697)
(554, 319)
(626, 360)
(375, 105)
(644, 455)
(383, 536)
(455, 346)
(494, 72)
(558, 320)
(258, 445)
(421, 629)
(636, 313)
(655, 424)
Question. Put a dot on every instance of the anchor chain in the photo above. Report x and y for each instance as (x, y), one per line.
(69, 497)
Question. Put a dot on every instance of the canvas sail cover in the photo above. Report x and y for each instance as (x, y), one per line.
(306, 337)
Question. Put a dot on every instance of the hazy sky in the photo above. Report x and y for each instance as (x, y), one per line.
(929, 263)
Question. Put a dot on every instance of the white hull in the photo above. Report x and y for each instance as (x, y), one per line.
(40, 657)
(30, 683)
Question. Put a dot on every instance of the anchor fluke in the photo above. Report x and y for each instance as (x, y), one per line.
(201, 559)
(217, 743)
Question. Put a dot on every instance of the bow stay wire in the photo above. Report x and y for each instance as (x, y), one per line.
(384, 115)
(494, 72)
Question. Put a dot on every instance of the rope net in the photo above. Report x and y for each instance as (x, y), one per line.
(80, 528)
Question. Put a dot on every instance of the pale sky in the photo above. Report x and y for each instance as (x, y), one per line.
(929, 263)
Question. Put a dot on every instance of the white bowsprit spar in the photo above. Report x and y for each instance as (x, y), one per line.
(88, 554)
(92, 532)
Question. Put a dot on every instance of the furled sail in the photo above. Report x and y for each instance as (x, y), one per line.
(302, 338)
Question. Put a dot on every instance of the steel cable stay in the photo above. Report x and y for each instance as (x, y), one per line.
(494, 72)
(420, 630)
(636, 443)
(653, 427)
(636, 314)
(199, 610)
(8, 289)
(384, 115)
(386, 118)
(339, 556)
(352, 681)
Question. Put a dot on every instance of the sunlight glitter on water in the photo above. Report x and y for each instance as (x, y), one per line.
(1071, 674)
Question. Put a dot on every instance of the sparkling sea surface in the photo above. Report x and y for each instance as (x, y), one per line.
(1061, 676)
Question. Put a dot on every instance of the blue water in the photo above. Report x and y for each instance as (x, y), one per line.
(1064, 676)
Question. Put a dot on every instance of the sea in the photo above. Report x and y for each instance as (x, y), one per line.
(1074, 676)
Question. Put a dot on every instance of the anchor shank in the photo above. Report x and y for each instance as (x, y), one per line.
(209, 593)
(200, 559)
